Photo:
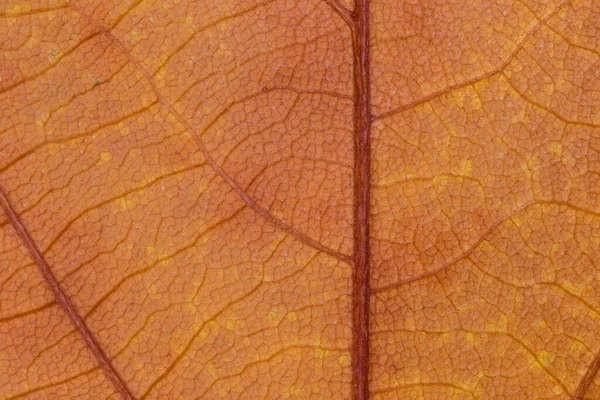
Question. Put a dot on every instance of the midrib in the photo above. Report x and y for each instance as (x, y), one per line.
(362, 193)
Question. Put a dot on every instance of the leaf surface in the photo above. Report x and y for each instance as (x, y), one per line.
(299, 199)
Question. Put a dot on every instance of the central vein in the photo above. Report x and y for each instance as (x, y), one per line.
(362, 192)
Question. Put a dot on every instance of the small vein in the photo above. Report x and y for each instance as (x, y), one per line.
(49, 67)
(309, 91)
(277, 327)
(190, 343)
(90, 88)
(474, 246)
(575, 297)
(568, 41)
(268, 359)
(558, 33)
(123, 195)
(459, 258)
(535, 358)
(127, 12)
(216, 167)
(342, 11)
(67, 139)
(213, 318)
(428, 178)
(476, 79)
(161, 260)
(249, 60)
(33, 12)
(50, 385)
(545, 108)
(588, 378)
(424, 384)
(62, 299)
(206, 27)
(508, 335)
(28, 312)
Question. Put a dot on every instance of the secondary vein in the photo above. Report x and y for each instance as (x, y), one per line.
(62, 299)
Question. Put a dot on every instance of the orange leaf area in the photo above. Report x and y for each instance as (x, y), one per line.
(181, 199)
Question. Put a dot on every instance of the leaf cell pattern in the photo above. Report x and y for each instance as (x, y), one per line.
(300, 199)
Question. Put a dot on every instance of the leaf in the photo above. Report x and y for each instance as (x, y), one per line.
(310, 199)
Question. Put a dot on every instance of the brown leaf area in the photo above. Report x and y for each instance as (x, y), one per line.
(179, 194)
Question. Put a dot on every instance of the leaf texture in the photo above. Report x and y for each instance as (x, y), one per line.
(299, 199)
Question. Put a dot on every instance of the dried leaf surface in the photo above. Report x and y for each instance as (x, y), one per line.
(179, 189)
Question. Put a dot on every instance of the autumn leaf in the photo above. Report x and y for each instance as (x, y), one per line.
(385, 199)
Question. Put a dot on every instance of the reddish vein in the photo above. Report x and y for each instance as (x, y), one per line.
(362, 189)
(61, 298)
(587, 379)
(209, 159)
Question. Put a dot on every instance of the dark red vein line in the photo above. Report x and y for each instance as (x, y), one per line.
(500, 69)
(61, 298)
(480, 240)
(465, 255)
(211, 161)
(342, 11)
(587, 379)
(362, 192)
